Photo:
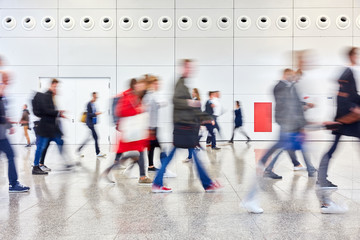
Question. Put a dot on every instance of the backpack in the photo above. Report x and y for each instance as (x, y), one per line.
(36, 103)
(116, 116)
(208, 109)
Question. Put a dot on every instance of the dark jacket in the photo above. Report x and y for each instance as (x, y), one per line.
(4, 122)
(90, 115)
(289, 113)
(183, 113)
(238, 118)
(48, 125)
(347, 98)
(25, 117)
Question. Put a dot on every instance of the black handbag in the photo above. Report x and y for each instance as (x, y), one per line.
(186, 135)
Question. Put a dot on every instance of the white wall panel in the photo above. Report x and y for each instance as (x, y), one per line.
(96, 15)
(328, 51)
(211, 78)
(206, 51)
(29, 4)
(263, 4)
(154, 15)
(91, 71)
(87, 4)
(145, 51)
(165, 74)
(29, 51)
(87, 51)
(204, 4)
(263, 51)
(25, 79)
(332, 14)
(256, 80)
(322, 3)
(356, 22)
(213, 15)
(273, 15)
(20, 14)
(145, 3)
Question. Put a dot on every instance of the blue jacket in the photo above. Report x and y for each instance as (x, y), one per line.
(238, 118)
(90, 115)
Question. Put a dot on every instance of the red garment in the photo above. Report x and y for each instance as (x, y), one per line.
(130, 105)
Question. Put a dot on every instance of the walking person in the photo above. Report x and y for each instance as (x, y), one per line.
(49, 125)
(209, 109)
(347, 113)
(187, 118)
(238, 123)
(134, 128)
(91, 121)
(25, 123)
(14, 185)
(153, 106)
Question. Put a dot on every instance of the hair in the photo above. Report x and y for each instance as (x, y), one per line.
(133, 81)
(54, 81)
(287, 70)
(93, 93)
(26, 105)
(210, 93)
(237, 103)
(196, 91)
(185, 61)
(352, 51)
(150, 79)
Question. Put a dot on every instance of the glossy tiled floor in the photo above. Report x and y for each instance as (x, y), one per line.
(79, 205)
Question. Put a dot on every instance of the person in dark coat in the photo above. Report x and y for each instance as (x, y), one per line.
(348, 103)
(48, 128)
(91, 121)
(187, 118)
(238, 123)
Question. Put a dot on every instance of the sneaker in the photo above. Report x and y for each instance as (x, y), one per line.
(252, 206)
(248, 140)
(215, 148)
(186, 160)
(333, 208)
(153, 169)
(169, 174)
(28, 145)
(213, 187)
(158, 189)
(208, 145)
(45, 168)
(271, 174)
(231, 142)
(18, 188)
(299, 168)
(327, 185)
(37, 171)
(101, 154)
(145, 181)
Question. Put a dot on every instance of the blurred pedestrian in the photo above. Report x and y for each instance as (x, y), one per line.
(25, 123)
(238, 123)
(91, 120)
(14, 185)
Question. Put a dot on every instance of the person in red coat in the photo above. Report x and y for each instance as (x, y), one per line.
(133, 126)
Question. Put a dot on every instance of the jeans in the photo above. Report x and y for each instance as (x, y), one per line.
(205, 179)
(41, 145)
(324, 163)
(6, 148)
(153, 144)
(211, 136)
(94, 135)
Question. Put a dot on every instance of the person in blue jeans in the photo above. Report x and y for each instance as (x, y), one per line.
(14, 185)
(187, 118)
(48, 129)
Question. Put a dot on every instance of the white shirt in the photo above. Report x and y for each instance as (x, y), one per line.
(217, 107)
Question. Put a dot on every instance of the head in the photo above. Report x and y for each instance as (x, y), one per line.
(152, 82)
(211, 94)
(25, 106)
(132, 83)
(186, 67)
(53, 85)
(94, 96)
(217, 94)
(353, 55)
(288, 75)
(140, 88)
(5, 78)
(237, 103)
(195, 93)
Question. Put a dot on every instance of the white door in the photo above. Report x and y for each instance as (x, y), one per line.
(73, 96)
